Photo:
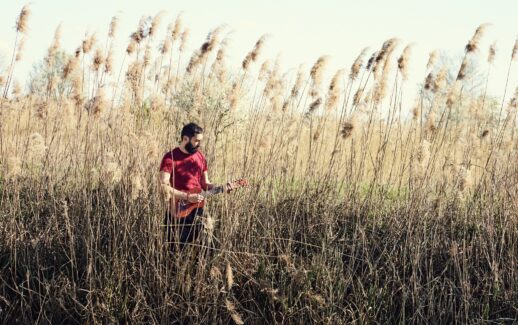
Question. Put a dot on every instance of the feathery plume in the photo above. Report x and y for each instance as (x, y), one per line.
(165, 47)
(382, 56)
(423, 155)
(403, 61)
(357, 65)
(347, 129)
(183, 38)
(371, 60)
(205, 49)
(462, 71)
(112, 173)
(264, 71)
(147, 56)
(429, 81)
(98, 59)
(233, 313)
(70, 66)
(37, 146)
(108, 62)
(314, 105)
(218, 67)
(215, 274)
(77, 52)
(230, 276)
(14, 167)
(155, 23)
(88, 43)
(99, 103)
(316, 73)
(234, 96)
(492, 53)
(17, 89)
(140, 34)
(19, 50)
(317, 69)
(132, 46)
(334, 90)
(484, 134)
(432, 59)
(357, 96)
(252, 55)
(440, 81)
(513, 103)
(472, 45)
(21, 22)
(175, 30)
(298, 84)
(514, 54)
(53, 49)
(212, 40)
(113, 26)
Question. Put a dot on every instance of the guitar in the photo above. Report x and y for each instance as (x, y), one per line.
(184, 207)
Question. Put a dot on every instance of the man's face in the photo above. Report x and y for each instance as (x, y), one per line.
(194, 143)
(196, 140)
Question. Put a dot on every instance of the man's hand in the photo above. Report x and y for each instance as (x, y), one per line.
(194, 198)
(230, 188)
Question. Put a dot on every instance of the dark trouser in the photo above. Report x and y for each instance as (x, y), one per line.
(181, 231)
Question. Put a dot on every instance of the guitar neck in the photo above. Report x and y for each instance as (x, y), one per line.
(215, 190)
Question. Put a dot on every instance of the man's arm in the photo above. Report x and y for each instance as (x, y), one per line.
(210, 185)
(168, 191)
(207, 181)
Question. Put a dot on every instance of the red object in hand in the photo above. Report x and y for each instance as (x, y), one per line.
(184, 208)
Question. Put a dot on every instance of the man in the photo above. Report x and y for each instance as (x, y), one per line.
(182, 171)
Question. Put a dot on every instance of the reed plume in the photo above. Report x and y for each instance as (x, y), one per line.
(113, 26)
(473, 43)
(357, 65)
(514, 54)
(50, 59)
(97, 59)
(492, 53)
(23, 17)
(347, 129)
(236, 317)
(254, 54)
(316, 74)
(205, 49)
(19, 50)
(462, 71)
(317, 69)
(88, 43)
(183, 38)
(297, 85)
(314, 106)
(155, 22)
(432, 59)
(176, 28)
(403, 61)
(21, 29)
(334, 90)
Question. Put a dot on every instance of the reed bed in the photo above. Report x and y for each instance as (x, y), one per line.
(360, 209)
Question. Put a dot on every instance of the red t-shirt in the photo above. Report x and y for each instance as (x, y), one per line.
(186, 169)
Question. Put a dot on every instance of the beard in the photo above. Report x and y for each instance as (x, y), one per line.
(190, 148)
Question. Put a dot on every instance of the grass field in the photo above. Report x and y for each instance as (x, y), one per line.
(360, 209)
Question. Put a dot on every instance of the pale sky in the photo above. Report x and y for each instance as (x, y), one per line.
(300, 31)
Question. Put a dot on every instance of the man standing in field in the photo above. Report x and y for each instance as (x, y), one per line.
(183, 173)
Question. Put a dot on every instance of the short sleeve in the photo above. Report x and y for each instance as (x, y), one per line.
(204, 164)
(167, 163)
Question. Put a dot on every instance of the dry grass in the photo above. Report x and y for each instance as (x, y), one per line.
(355, 213)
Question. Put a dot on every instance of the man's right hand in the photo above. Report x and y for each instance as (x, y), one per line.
(194, 198)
